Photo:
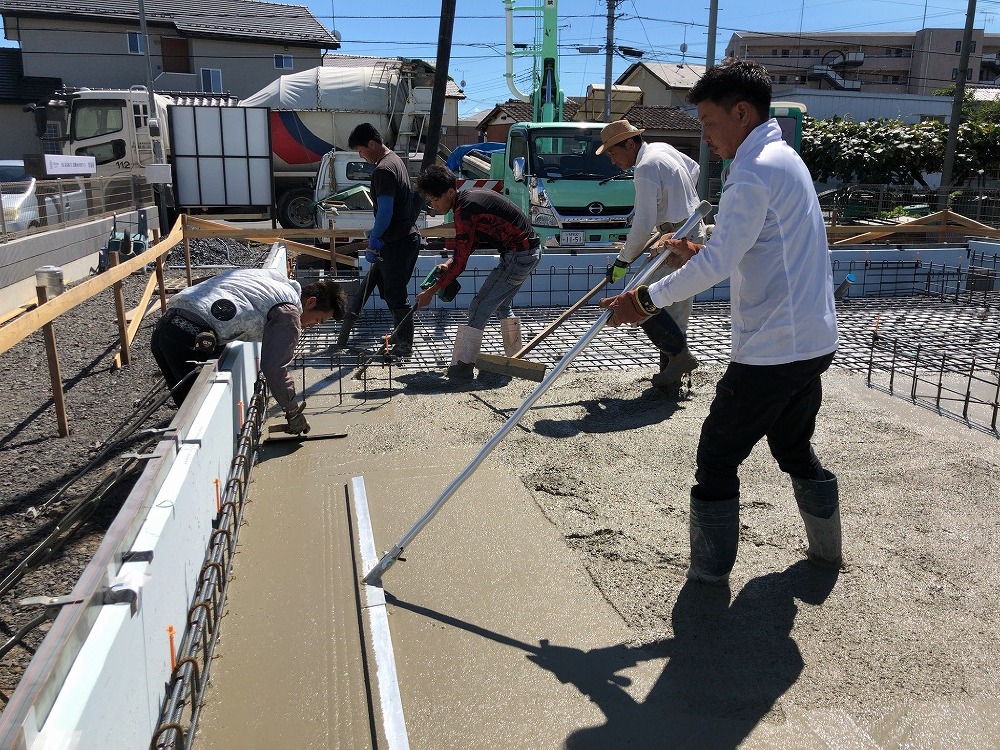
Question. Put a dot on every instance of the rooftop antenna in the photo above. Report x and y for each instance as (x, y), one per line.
(684, 45)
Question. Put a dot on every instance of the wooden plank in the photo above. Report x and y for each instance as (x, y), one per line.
(17, 311)
(19, 329)
(319, 252)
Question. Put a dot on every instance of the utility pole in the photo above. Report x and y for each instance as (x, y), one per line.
(703, 154)
(956, 108)
(609, 51)
(445, 33)
(153, 125)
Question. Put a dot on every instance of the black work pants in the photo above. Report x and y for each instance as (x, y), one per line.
(174, 352)
(391, 274)
(779, 402)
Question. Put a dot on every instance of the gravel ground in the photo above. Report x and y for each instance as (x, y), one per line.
(35, 463)
(905, 633)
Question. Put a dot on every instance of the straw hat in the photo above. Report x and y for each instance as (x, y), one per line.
(615, 132)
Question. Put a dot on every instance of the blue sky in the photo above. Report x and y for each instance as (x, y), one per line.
(657, 27)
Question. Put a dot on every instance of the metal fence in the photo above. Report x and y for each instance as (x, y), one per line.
(37, 205)
(888, 203)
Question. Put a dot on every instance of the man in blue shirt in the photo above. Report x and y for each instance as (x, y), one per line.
(393, 243)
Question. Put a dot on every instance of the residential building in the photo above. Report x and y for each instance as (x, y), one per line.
(16, 91)
(233, 46)
(873, 62)
(668, 124)
(662, 84)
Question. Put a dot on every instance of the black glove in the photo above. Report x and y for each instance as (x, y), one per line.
(617, 270)
(297, 424)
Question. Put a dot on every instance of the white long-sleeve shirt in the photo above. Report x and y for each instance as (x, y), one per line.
(665, 191)
(770, 240)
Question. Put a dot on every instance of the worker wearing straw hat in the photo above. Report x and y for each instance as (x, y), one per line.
(665, 195)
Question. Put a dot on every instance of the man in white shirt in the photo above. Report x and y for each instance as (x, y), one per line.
(665, 195)
(770, 241)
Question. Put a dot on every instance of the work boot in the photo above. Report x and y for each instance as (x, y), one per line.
(402, 341)
(672, 388)
(463, 356)
(715, 537)
(346, 324)
(510, 328)
(677, 365)
(819, 506)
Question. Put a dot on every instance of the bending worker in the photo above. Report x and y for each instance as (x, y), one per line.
(665, 195)
(251, 304)
(770, 239)
(393, 243)
(488, 218)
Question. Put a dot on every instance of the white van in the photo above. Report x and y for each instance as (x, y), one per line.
(20, 204)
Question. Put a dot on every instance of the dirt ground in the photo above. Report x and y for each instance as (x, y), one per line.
(903, 634)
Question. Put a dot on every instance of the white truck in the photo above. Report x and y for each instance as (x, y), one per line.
(312, 113)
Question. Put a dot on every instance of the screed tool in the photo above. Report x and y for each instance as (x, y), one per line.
(374, 576)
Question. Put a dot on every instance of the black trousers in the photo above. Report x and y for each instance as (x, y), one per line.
(779, 402)
(174, 352)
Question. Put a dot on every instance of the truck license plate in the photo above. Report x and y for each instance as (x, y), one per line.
(571, 238)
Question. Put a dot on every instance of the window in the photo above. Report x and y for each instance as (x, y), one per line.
(782, 79)
(93, 117)
(176, 54)
(135, 43)
(211, 80)
(806, 52)
(972, 46)
(283, 62)
(140, 115)
(784, 53)
(958, 46)
(954, 74)
(360, 171)
(774, 53)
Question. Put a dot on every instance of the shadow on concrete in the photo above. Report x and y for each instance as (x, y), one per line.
(612, 415)
(728, 663)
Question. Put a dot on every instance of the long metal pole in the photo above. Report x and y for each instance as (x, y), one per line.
(703, 155)
(161, 205)
(374, 576)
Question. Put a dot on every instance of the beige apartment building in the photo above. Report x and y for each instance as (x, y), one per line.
(901, 63)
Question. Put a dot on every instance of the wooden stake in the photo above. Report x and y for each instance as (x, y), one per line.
(124, 351)
(55, 374)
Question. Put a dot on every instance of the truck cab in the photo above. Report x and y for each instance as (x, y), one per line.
(576, 199)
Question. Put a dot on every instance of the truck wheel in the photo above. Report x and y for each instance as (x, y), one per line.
(295, 209)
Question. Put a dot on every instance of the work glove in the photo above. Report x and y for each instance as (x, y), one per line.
(374, 246)
(633, 306)
(617, 271)
(297, 424)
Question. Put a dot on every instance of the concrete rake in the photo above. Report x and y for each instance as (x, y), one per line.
(374, 576)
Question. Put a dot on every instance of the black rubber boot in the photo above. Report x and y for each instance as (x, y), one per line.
(402, 343)
(819, 506)
(346, 324)
(715, 538)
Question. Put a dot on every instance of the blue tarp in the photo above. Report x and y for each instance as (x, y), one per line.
(454, 162)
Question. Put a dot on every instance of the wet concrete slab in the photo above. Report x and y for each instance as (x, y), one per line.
(501, 637)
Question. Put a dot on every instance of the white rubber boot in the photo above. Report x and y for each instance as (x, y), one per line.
(463, 356)
(511, 330)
